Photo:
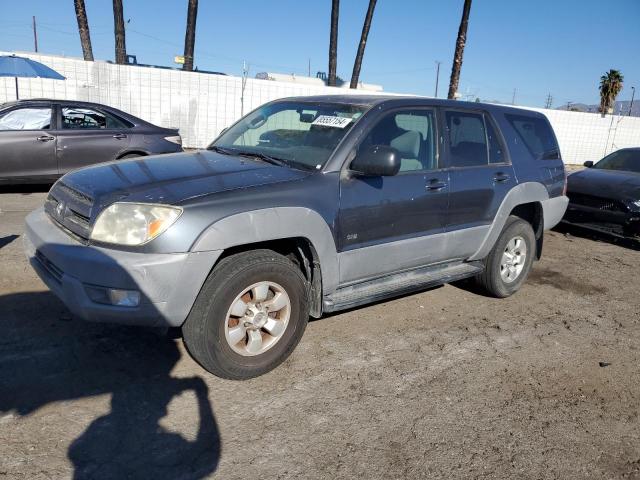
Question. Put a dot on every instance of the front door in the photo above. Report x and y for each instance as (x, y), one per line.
(88, 136)
(27, 144)
(481, 176)
(388, 224)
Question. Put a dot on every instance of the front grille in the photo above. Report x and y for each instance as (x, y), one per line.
(600, 203)
(71, 209)
(49, 266)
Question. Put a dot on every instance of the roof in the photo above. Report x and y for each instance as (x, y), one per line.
(404, 100)
(56, 100)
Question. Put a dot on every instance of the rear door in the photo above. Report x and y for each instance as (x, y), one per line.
(88, 136)
(27, 143)
(481, 176)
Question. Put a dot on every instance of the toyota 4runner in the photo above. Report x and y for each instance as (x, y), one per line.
(304, 206)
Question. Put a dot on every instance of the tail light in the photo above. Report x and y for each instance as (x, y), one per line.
(177, 139)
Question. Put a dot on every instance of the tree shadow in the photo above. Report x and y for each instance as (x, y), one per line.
(4, 241)
(46, 357)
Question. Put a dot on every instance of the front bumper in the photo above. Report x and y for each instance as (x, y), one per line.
(622, 223)
(168, 282)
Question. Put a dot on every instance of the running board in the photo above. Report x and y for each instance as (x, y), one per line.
(399, 284)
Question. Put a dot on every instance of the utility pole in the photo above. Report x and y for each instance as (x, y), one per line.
(549, 101)
(633, 94)
(309, 68)
(513, 99)
(437, 76)
(35, 34)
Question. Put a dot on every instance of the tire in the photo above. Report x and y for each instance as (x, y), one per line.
(492, 279)
(215, 319)
(130, 155)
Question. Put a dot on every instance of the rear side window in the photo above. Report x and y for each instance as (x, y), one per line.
(84, 118)
(496, 150)
(537, 136)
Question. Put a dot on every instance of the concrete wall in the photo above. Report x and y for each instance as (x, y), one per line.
(201, 104)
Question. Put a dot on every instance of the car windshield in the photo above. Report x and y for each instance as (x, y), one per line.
(297, 134)
(624, 160)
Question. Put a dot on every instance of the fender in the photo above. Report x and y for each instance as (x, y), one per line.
(273, 224)
(523, 193)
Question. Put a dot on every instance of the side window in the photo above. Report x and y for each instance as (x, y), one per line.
(412, 134)
(33, 118)
(84, 118)
(537, 136)
(496, 150)
(467, 139)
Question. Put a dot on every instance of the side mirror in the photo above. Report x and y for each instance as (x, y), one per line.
(377, 161)
(588, 164)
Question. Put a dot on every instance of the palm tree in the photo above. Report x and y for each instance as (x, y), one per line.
(83, 29)
(457, 56)
(190, 35)
(610, 86)
(357, 65)
(333, 43)
(118, 30)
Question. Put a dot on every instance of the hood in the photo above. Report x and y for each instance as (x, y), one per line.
(605, 183)
(174, 178)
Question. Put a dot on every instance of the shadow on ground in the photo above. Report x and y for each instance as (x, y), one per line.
(46, 357)
(577, 231)
(4, 241)
(25, 188)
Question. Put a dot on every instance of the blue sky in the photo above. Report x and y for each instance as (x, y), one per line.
(546, 46)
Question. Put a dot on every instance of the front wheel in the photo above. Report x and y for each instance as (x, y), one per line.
(510, 260)
(249, 315)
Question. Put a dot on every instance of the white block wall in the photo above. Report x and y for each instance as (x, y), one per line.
(201, 105)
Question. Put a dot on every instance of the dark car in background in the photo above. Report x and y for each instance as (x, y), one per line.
(605, 196)
(41, 140)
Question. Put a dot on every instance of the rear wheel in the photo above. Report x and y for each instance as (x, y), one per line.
(130, 155)
(510, 260)
(249, 315)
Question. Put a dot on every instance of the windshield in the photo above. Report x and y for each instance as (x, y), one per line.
(299, 134)
(625, 160)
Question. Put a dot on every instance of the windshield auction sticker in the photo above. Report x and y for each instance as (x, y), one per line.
(329, 121)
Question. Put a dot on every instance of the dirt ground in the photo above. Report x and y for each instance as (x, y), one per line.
(443, 384)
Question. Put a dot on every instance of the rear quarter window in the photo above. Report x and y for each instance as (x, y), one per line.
(537, 136)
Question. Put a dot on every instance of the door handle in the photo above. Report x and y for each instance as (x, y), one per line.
(45, 138)
(501, 177)
(435, 185)
(119, 136)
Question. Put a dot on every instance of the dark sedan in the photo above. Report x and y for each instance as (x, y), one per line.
(606, 195)
(40, 140)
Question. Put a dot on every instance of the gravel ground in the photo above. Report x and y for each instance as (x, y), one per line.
(442, 384)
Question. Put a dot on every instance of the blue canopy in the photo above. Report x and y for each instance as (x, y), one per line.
(12, 66)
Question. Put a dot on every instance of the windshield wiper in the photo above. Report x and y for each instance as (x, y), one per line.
(222, 150)
(264, 157)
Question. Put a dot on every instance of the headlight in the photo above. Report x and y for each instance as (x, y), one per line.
(174, 139)
(636, 203)
(133, 223)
